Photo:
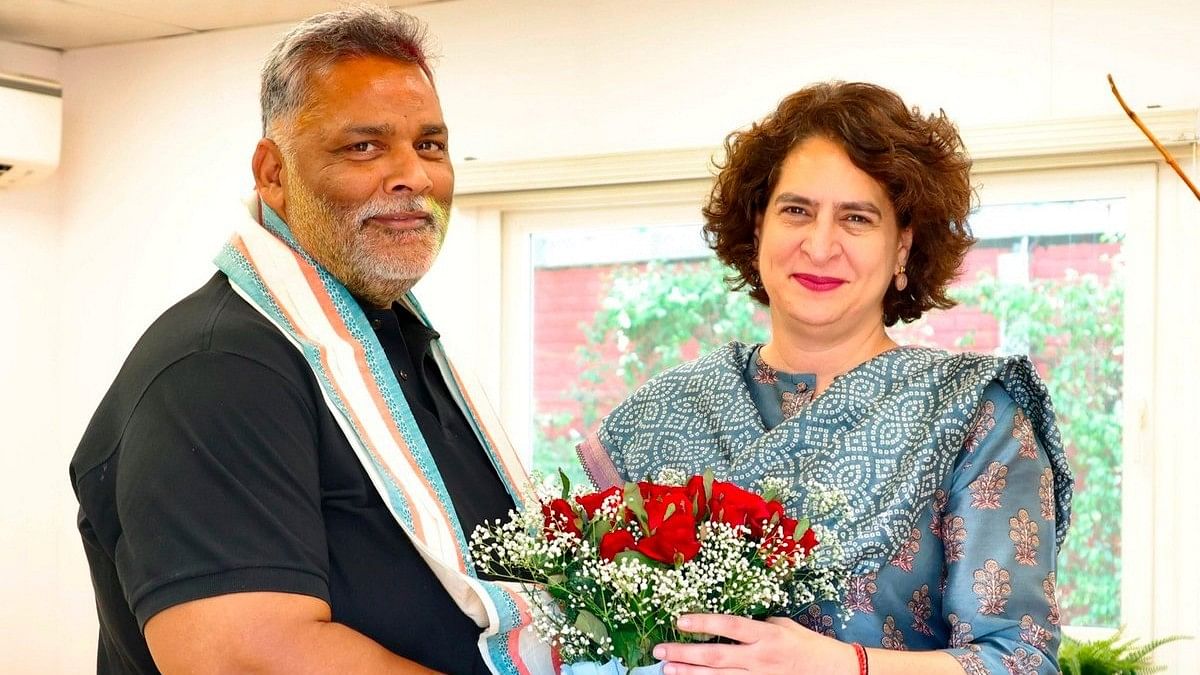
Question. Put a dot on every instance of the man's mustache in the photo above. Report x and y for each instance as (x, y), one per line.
(436, 210)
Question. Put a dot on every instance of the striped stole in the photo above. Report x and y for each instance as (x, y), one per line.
(268, 269)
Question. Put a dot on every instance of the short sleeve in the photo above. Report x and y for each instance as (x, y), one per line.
(997, 528)
(217, 487)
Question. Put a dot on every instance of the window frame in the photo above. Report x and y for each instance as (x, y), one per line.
(1136, 184)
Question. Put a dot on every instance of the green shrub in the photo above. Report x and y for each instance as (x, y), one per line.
(1110, 656)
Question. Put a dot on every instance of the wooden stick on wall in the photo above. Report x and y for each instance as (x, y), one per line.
(1163, 151)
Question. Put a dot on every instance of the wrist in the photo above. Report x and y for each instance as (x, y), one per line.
(860, 664)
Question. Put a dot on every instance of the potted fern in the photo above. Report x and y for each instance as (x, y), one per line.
(1110, 656)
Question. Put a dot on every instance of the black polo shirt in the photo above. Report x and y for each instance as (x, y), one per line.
(213, 466)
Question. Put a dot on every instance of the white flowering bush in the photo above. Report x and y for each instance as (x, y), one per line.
(621, 565)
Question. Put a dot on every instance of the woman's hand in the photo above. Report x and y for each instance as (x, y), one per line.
(772, 646)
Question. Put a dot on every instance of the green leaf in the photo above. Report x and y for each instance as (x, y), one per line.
(643, 558)
(591, 626)
(566, 483)
(801, 527)
(1110, 655)
(633, 501)
(559, 593)
(668, 512)
(598, 529)
(626, 644)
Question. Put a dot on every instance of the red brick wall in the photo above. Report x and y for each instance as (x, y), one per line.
(1052, 262)
(564, 300)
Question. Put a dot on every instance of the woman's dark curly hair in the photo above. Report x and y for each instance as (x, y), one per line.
(919, 160)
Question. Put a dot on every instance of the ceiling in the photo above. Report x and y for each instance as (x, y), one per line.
(71, 24)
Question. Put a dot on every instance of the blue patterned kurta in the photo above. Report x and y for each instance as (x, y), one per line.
(960, 493)
(977, 571)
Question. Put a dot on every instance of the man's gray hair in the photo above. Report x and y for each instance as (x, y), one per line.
(322, 40)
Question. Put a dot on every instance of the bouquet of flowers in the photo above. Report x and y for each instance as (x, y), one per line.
(621, 565)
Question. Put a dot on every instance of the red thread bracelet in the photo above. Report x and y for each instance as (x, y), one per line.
(860, 652)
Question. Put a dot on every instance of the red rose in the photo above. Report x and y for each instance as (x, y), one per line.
(787, 527)
(808, 541)
(558, 516)
(775, 516)
(782, 541)
(732, 505)
(695, 492)
(655, 491)
(591, 502)
(658, 501)
(675, 538)
(615, 542)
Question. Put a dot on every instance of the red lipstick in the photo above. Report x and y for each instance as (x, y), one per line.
(817, 283)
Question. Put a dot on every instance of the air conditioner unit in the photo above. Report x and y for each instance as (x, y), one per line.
(30, 129)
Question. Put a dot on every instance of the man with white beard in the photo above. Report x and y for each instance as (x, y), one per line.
(284, 474)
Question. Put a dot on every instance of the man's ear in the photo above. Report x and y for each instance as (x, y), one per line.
(267, 166)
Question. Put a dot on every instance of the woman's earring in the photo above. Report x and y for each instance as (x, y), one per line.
(901, 279)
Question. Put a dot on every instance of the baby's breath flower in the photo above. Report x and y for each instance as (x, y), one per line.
(825, 503)
(671, 476)
(779, 489)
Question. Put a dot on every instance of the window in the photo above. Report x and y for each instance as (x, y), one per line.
(612, 307)
(1058, 255)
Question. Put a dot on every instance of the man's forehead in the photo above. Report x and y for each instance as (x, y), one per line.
(370, 71)
(370, 91)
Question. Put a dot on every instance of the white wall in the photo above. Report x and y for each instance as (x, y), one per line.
(543, 78)
(34, 548)
(158, 137)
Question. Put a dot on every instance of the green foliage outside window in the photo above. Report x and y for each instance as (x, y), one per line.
(655, 316)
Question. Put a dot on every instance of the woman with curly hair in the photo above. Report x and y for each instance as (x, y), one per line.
(843, 212)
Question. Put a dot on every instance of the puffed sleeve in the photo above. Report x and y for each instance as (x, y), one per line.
(997, 527)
